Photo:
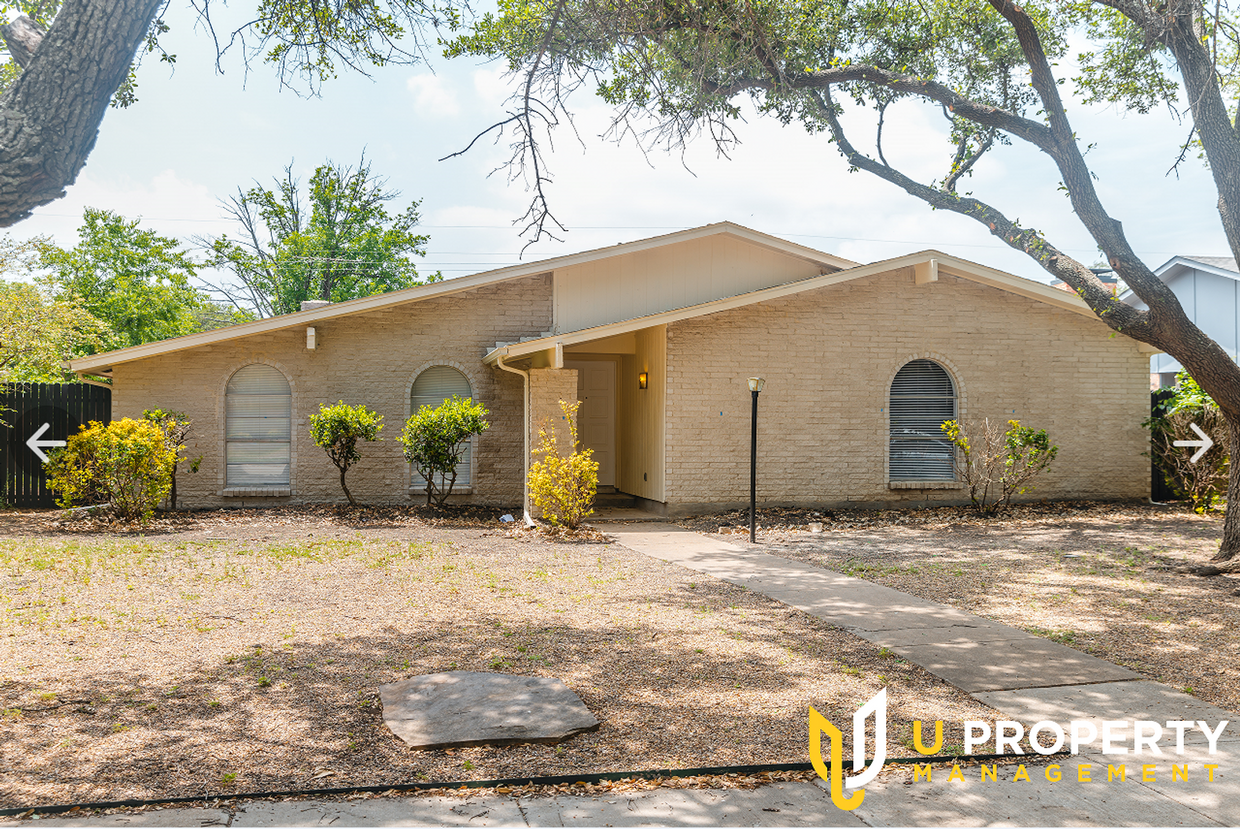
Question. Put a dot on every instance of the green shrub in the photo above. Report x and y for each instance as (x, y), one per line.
(564, 488)
(998, 464)
(127, 464)
(176, 427)
(1204, 483)
(434, 441)
(338, 429)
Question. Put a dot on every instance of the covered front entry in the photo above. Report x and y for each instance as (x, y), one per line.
(596, 419)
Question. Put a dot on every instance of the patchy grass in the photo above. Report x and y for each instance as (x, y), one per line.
(228, 650)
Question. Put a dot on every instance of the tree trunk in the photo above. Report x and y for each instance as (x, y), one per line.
(50, 117)
(347, 494)
(1231, 518)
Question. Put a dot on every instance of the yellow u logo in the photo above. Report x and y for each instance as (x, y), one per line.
(819, 725)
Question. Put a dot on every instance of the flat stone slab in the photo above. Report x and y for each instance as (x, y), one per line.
(475, 708)
(1011, 663)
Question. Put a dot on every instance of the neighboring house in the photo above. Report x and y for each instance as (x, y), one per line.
(657, 338)
(1207, 287)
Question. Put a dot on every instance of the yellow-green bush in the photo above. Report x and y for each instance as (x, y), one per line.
(564, 488)
(127, 463)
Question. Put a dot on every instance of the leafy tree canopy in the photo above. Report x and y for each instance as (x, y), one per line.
(135, 280)
(38, 333)
(342, 244)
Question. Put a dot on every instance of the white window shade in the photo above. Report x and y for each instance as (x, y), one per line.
(431, 388)
(922, 398)
(258, 427)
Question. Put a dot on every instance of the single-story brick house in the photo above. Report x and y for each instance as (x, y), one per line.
(657, 338)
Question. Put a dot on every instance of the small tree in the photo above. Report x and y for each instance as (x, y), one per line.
(1204, 483)
(176, 427)
(434, 441)
(127, 464)
(338, 429)
(998, 464)
(562, 487)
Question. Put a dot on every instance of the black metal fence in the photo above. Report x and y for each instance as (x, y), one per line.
(1159, 491)
(37, 417)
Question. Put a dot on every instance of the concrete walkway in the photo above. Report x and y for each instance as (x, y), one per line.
(1023, 676)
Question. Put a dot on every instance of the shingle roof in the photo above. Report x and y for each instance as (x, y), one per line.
(1224, 262)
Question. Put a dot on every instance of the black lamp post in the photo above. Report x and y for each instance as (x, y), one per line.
(755, 386)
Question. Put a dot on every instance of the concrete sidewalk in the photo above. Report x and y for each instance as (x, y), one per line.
(891, 800)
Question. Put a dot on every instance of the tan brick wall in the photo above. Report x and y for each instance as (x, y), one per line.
(829, 356)
(370, 358)
(547, 388)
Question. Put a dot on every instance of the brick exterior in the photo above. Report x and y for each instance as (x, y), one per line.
(369, 358)
(829, 356)
(547, 388)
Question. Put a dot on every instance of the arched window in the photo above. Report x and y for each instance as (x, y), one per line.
(431, 388)
(258, 427)
(922, 397)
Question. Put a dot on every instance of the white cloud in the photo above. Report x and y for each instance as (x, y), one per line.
(433, 97)
(166, 203)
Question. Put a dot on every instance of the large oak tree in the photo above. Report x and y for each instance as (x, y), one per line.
(676, 70)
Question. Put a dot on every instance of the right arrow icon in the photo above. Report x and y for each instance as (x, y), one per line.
(1205, 443)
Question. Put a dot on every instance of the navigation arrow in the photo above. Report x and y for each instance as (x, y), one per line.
(1205, 443)
(37, 446)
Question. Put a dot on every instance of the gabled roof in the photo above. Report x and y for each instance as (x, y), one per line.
(102, 363)
(1223, 266)
(1225, 263)
(926, 261)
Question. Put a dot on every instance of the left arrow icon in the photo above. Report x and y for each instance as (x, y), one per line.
(37, 446)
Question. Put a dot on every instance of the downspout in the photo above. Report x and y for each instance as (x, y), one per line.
(525, 422)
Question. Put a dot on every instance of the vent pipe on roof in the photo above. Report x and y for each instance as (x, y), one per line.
(312, 304)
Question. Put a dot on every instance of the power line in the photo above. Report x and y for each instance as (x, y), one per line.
(932, 243)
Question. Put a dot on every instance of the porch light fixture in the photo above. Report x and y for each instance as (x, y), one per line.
(641, 380)
(755, 386)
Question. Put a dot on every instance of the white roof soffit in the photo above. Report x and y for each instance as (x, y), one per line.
(102, 363)
(961, 268)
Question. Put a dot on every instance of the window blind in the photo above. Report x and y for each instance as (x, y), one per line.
(922, 398)
(258, 427)
(431, 388)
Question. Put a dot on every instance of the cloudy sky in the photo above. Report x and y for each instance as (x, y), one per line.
(196, 135)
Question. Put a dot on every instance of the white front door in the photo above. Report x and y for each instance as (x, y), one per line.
(596, 419)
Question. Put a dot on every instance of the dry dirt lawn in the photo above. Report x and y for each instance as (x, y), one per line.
(1097, 577)
(237, 651)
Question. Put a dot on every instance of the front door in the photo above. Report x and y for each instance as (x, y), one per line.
(596, 419)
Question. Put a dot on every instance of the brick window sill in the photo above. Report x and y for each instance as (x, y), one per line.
(925, 485)
(460, 490)
(257, 492)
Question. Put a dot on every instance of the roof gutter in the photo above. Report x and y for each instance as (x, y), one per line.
(525, 464)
